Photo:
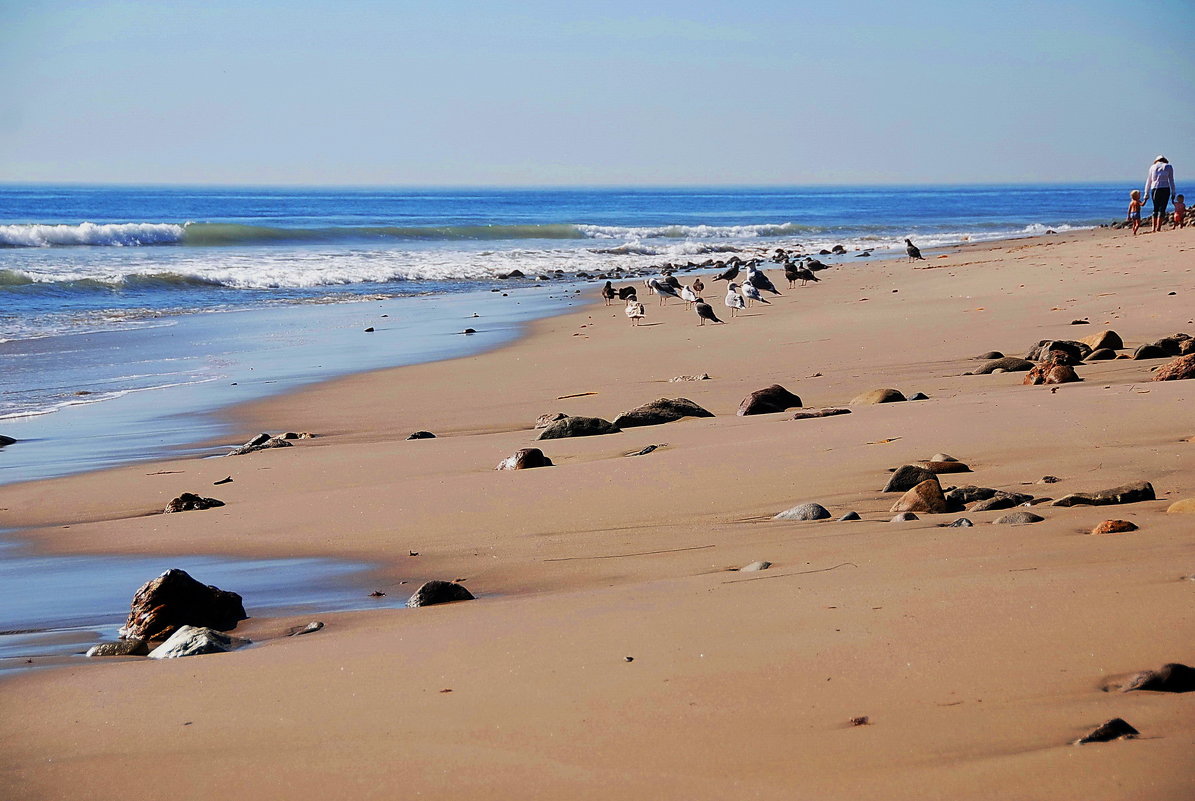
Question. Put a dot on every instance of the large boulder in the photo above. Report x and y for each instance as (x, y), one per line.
(664, 410)
(438, 592)
(190, 502)
(174, 599)
(1071, 352)
(925, 497)
(194, 641)
(1181, 368)
(805, 511)
(1149, 351)
(578, 427)
(1009, 364)
(768, 400)
(878, 396)
(1051, 371)
(1175, 344)
(524, 459)
(908, 476)
(1104, 339)
(545, 420)
(1101, 355)
(1127, 493)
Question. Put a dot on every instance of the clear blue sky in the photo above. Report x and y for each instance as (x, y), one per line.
(532, 93)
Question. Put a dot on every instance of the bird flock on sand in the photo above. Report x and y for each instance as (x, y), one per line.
(746, 284)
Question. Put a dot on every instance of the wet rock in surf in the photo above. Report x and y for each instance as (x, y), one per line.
(174, 599)
(438, 592)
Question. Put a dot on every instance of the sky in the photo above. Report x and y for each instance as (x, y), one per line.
(755, 92)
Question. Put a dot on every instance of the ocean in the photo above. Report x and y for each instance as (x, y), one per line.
(131, 315)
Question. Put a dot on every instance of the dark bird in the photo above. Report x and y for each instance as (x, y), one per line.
(815, 264)
(664, 290)
(760, 281)
(913, 251)
(608, 293)
(672, 281)
(795, 272)
(705, 312)
(729, 274)
(698, 287)
(626, 292)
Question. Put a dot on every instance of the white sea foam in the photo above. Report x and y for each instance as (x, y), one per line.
(112, 234)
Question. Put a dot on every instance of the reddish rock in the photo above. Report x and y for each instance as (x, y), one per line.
(925, 497)
(947, 466)
(878, 396)
(1104, 339)
(1181, 368)
(768, 400)
(175, 599)
(1114, 527)
(1051, 371)
(524, 459)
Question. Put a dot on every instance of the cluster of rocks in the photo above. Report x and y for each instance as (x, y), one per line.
(263, 442)
(1051, 361)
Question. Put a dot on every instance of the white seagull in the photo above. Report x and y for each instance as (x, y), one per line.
(734, 301)
(751, 293)
(688, 296)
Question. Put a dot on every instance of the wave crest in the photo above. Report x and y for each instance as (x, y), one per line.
(109, 234)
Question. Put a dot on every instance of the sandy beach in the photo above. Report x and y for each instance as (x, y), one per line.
(613, 649)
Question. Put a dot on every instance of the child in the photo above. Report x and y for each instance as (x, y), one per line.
(1180, 212)
(1135, 210)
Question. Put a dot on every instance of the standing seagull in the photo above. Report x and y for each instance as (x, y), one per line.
(634, 311)
(797, 272)
(688, 296)
(758, 280)
(608, 292)
(665, 291)
(698, 287)
(734, 301)
(913, 251)
(729, 274)
(705, 312)
(751, 293)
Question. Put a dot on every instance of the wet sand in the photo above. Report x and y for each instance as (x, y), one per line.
(976, 654)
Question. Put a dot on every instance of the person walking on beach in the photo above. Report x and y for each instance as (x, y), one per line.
(1180, 211)
(1135, 205)
(1159, 186)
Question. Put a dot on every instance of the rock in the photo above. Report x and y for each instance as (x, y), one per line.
(916, 396)
(849, 516)
(991, 354)
(1174, 345)
(961, 496)
(1181, 368)
(1185, 506)
(1108, 340)
(925, 497)
(260, 444)
(807, 414)
(768, 400)
(175, 599)
(1170, 678)
(806, 511)
(1046, 349)
(1048, 480)
(194, 641)
(524, 459)
(942, 457)
(664, 410)
(190, 502)
(297, 631)
(120, 648)
(439, 592)
(578, 427)
(908, 476)
(904, 517)
(369, 330)
(293, 435)
(877, 396)
(1009, 364)
(260, 439)
(755, 567)
(1128, 493)
(962, 522)
(1115, 729)
(545, 420)
(1018, 519)
(1103, 354)
(1051, 371)
(1114, 527)
(422, 435)
(679, 378)
(6, 440)
(945, 466)
(1002, 500)
(1149, 352)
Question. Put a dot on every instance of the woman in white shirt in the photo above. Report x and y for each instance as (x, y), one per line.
(1159, 187)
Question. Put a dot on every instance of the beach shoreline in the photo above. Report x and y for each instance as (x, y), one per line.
(604, 557)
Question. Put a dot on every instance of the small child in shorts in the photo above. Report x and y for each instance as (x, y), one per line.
(1135, 210)
(1180, 212)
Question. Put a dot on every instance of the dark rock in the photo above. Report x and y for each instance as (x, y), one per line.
(1115, 729)
(1103, 354)
(664, 410)
(545, 420)
(439, 592)
(961, 496)
(195, 641)
(175, 599)
(1173, 345)
(1009, 364)
(1104, 340)
(369, 330)
(1114, 527)
(1051, 371)
(190, 502)
(293, 435)
(6, 440)
(1046, 348)
(1149, 352)
(1001, 500)
(925, 497)
(626, 292)
(422, 435)
(849, 516)
(1171, 678)
(877, 396)
(119, 648)
(991, 354)
(578, 427)
(1018, 518)
(768, 400)
(939, 466)
(260, 439)
(908, 476)
(1128, 493)
(962, 522)
(1180, 369)
(807, 414)
(524, 459)
(806, 511)
(471, 330)
(1048, 480)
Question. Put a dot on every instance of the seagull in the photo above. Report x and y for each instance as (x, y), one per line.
(672, 281)
(797, 272)
(815, 264)
(913, 251)
(688, 296)
(608, 292)
(758, 280)
(634, 311)
(729, 274)
(664, 290)
(698, 287)
(752, 293)
(705, 312)
(734, 301)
